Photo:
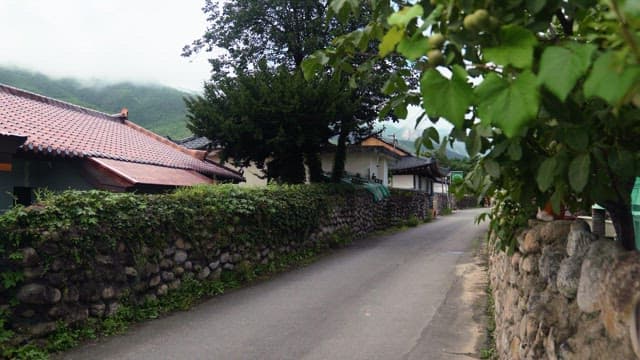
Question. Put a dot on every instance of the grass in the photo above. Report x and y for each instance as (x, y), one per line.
(190, 293)
(488, 352)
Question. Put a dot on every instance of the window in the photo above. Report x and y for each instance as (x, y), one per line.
(23, 195)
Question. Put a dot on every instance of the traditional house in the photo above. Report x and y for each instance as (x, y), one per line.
(47, 143)
(382, 160)
(370, 159)
(417, 173)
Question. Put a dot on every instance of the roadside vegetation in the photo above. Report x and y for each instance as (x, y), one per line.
(91, 241)
(546, 91)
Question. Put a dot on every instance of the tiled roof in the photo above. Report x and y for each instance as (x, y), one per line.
(194, 142)
(56, 128)
(151, 174)
(408, 162)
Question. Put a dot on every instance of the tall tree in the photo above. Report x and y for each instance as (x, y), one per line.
(281, 33)
(548, 90)
(273, 117)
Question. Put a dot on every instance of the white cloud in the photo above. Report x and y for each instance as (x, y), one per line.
(114, 40)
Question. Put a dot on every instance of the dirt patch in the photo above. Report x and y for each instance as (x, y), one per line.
(458, 330)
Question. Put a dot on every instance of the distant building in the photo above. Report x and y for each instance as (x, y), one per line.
(47, 143)
(383, 160)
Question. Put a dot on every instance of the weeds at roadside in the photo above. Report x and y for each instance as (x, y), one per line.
(191, 292)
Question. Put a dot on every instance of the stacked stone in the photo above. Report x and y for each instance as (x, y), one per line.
(59, 287)
(564, 294)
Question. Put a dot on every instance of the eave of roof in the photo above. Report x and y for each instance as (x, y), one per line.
(372, 149)
(417, 166)
(395, 147)
(136, 174)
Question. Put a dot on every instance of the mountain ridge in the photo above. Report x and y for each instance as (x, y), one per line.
(155, 107)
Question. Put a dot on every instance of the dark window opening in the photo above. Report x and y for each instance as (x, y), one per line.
(23, 195)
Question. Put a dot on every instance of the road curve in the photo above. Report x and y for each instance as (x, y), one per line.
(374, 299)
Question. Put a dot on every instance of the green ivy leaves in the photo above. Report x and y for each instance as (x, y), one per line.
(390, 40)
(412, 47)
(546, 173)
(579, 170)
(516, 48)
(447, 98)
(403, 17)
(508, 103)
(561, 67)
(611, 79)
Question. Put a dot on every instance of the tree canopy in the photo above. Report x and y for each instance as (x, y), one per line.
(281, 31)
(273, 117)
(263, 40)
(547, 90)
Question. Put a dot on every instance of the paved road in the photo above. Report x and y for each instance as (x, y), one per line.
(378, 298)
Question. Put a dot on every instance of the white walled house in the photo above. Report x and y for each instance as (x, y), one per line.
(365, 162)
(421, 174)
(371, 158)
(375, 158)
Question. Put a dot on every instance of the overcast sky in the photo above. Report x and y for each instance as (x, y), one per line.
(112, 40)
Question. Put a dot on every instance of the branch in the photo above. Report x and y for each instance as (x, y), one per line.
(626, 31)
(567, 24)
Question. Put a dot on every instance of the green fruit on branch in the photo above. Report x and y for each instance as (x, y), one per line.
(482, 17)
(435, 57)
(436, 41)
(470, 23)
(478, 21)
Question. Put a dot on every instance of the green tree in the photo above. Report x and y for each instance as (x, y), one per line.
(547, 90)
(280, 34)
(272, 117)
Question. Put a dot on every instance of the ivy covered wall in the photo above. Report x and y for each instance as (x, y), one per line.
(80, 256)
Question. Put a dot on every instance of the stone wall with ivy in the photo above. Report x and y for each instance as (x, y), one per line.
(80, 256)
(565, 294)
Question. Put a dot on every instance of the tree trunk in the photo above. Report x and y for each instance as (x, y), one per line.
(622, 222)
(315, 166)
(292, 169)
(287, 168)
(341, 153)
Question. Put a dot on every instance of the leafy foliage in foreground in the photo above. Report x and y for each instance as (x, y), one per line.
(548, 90)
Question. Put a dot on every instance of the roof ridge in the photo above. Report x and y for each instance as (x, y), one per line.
(55, 102)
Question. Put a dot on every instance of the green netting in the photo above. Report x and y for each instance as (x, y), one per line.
(635, 210)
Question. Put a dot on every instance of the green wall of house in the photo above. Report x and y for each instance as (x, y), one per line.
(54, 175)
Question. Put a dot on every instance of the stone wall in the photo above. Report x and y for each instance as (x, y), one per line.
(442, 201)
(565, 294)
(70, 290)
(467, 202)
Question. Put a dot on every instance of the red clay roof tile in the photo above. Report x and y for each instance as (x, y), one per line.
(56, 128)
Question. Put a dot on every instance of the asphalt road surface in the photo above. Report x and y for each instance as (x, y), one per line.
(386, 297)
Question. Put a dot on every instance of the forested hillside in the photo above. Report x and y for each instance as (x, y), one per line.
(157, 108)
